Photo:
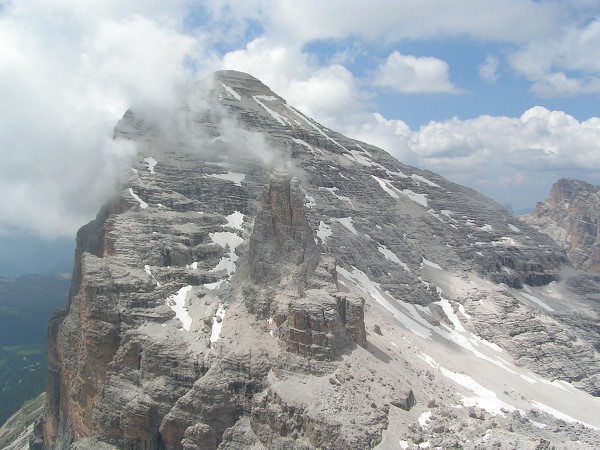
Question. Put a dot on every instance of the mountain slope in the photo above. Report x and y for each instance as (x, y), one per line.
(264, 282)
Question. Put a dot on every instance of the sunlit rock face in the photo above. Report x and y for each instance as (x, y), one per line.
(261, 281)
(571, 216)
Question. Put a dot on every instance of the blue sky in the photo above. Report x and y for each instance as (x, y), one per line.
(500, 95)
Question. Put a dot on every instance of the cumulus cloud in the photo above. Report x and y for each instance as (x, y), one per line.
(68, 71)
(411, 74)
(319, 91)
(493, 153)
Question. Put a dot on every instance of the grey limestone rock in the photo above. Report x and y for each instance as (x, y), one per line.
(570, 215)
(225, 298)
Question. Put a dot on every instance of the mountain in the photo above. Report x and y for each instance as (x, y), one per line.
(20, 429)
(26, 304)
(261, 281)
(571, 216)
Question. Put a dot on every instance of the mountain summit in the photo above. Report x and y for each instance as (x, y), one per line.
(261, 281)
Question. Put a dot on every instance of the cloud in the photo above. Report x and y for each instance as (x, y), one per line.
(68, 71)
(489, 69)
(319, 91)
(497, 20)
(276, 64)
(494, 154)
(411, 74)
(562, 64)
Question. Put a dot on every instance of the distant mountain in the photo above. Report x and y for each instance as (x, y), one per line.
(571, 216)
(26, 304)
(263, 282)
(23, 253)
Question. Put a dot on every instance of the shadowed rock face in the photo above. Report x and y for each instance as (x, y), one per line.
(223, 298)
(571, 216)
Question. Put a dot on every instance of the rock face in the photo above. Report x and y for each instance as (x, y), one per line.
(224, 299)
(571, 216)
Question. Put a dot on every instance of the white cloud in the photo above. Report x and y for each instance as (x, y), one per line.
(501, 20)
(494, 154)
(411, 74)
(68, 71)
(322, 92)
(274, 63)
(564, 64)
(489, 69)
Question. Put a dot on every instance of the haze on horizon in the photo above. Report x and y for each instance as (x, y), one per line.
(498, 95)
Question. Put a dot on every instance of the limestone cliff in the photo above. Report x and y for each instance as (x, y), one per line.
(571, 216)
(262, 281)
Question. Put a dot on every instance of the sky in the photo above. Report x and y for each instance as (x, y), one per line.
(498, 95)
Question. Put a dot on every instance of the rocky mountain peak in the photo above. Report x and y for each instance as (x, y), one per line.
(262, 281)
(243, 83)
(571, 216)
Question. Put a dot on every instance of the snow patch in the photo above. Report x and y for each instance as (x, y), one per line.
(226, 239)
(231, 92)
(424, 180)
(461, 309)
(269, 98)
(149, 272)
(177, 303)
(449, 311)
(484, 398)
(314, 126)
(358, 157)
(323, 232)
(528, 379)
(343, 198)
(513, 228)
(505, 241)
(431, 264)
(234, 220)
(390, 255)
(363, 149)
(151, 163)
(310, 201)
(560, 415)
(386, 187)
(217, 324)
(236, 178)
(142, 203)
(424, 419)
(346, 222)
(420, 199)
(308, 146)
(362, 282)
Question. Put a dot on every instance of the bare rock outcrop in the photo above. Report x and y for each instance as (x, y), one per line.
(571, 216)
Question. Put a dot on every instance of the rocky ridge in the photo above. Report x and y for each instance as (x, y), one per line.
(571, 216)
(262, 281)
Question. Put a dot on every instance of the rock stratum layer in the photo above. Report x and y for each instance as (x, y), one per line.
(263, 282)
(571, 216)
